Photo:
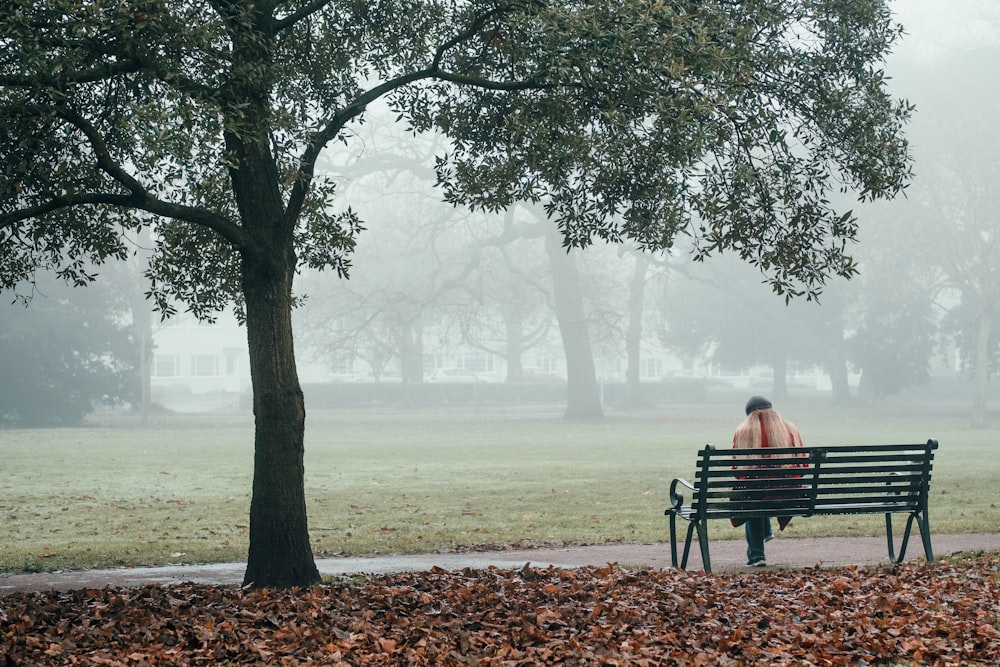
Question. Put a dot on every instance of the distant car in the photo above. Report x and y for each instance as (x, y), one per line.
(540, 375)
(454, 375)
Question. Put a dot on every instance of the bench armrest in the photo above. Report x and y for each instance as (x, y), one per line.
(676, 497)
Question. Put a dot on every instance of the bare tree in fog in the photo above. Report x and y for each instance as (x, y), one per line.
(442, 269)
(956, 199)
(475, 280)
(510, 313)
(633, 335)
(410, 263)
(644, 277)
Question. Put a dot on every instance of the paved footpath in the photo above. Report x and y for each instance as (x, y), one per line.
(727, 555)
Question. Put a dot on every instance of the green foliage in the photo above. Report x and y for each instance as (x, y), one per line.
(110, 108)
(62, 355)
(729, 122)
(631, 120)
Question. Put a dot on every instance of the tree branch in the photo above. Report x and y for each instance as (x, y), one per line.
(320, 139)
(130, 65)
(196, 216)
(101, 152)
(58, 82)
(474, 27)
(139, 197)
(299, 14)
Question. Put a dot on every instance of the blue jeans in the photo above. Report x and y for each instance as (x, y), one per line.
(757, 530)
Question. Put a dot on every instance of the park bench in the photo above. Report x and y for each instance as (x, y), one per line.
(803, 482)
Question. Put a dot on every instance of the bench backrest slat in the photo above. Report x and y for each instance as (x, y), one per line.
(803, 480)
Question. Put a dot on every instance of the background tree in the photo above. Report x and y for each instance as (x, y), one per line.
(724, 311)
(893, 346)
(405, 265)
(961, 191)
(638, 120)
(941, 245)
(128, 279)
(832, 336)
(646, 284)
(583, 397)
(510, 314)
(892, 325)
(71, 350)
(633, 336)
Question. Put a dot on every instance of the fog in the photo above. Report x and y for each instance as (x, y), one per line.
(433, 283)
(441, 296)
(474, 383)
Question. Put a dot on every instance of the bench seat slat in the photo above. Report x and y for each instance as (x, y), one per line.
(724, 512)
(881, 490)
(793, 466)
(882, 486)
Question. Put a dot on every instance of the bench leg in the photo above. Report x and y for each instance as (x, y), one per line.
(703, 544)
(925, 535)
(903, 543)
(923, 525)
(906, 538)
(888, 536)
(673, 539)
(687, 545)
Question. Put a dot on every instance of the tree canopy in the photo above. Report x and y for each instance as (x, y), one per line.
(629, 119)
(729, 122)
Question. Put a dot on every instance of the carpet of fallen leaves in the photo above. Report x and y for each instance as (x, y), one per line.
(944, 613)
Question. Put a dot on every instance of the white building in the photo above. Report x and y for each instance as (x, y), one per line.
(198, 358)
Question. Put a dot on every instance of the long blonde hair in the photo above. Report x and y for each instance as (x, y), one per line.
(766, 428)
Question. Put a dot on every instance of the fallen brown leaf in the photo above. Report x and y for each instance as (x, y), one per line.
(944, 613)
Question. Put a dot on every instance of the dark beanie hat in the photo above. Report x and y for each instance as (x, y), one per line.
(758, 403)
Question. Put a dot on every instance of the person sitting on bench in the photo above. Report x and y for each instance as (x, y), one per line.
(763, 427)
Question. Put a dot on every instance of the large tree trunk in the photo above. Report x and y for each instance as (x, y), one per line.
(280, 554)
(981, 375)
(583, 398)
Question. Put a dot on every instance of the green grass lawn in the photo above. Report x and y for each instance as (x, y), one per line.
(391, 481)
